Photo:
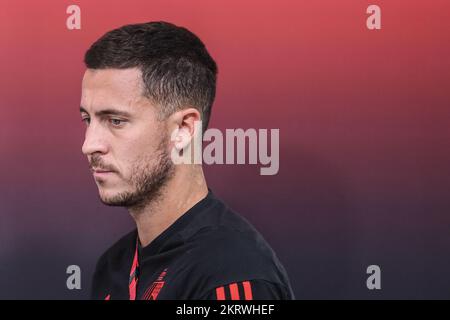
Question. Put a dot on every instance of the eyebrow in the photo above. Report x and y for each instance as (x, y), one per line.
(108, 112)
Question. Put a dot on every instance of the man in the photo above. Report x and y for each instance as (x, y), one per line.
(145, 88)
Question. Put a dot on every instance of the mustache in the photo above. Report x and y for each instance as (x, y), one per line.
(95, 162)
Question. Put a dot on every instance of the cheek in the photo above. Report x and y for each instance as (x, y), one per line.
(140, 146)
(138, 155)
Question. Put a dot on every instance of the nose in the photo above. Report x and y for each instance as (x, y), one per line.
(94, 141)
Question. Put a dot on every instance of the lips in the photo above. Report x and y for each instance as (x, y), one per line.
(100, 173)
(100, 170)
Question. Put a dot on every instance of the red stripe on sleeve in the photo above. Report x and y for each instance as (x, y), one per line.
(220, 293)
(247, 290)
(234, 291)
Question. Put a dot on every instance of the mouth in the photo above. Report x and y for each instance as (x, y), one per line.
(101, 173)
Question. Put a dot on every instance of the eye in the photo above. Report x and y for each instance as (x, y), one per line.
(86, 120)
(117, 122)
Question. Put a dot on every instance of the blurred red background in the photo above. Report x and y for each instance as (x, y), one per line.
(364, 139)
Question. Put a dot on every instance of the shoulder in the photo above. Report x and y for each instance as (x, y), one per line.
(119, 250)
(235, 257)
(227, 256)
(112, 259)
(110, 264)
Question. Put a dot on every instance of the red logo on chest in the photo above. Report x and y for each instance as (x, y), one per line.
(152, 292)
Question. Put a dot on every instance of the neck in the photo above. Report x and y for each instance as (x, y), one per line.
(182, 192)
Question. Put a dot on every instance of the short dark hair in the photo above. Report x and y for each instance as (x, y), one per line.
(177, 70)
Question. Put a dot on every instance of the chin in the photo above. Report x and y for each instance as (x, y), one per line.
(115, 196)
(108, 196)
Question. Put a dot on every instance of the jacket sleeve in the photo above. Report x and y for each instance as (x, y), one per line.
(248, 290)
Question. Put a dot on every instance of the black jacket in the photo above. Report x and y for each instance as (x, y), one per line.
(210, 252)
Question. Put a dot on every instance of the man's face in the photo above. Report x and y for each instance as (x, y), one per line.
(126, 145)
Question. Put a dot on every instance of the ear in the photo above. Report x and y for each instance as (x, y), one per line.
(184, 125)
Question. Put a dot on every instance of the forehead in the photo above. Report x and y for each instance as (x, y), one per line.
(111, 87)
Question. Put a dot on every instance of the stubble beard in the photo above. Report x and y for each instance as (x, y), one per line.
(148, 178)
